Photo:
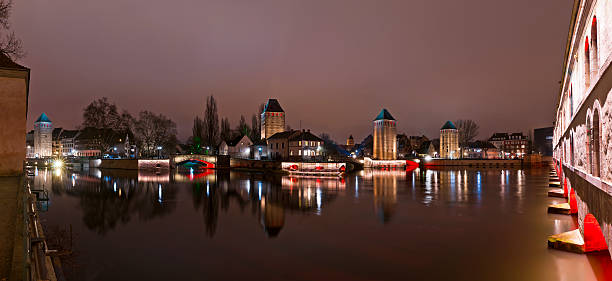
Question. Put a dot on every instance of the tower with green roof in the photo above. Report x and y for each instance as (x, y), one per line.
(385, 136)
(449, 141)
(43, 142)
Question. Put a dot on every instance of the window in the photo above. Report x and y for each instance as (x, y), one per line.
(300, 152)
(595, 63)
(291, 152)
(283, 145)
(300, 143)
(587, 64)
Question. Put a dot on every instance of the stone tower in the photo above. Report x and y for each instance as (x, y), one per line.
(385, 136)
(43, 128)
(272, 119)
(350, 142)
(449, 141)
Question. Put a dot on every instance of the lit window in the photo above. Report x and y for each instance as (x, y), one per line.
(300, 143)
(300, 152)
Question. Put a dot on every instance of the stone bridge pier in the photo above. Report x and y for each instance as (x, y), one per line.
(591, 201)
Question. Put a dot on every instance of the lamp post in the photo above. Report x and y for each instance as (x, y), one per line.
(159, 148)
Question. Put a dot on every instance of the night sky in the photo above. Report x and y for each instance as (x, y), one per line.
(333, 64)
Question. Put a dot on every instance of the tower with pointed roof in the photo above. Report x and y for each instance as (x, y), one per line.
(350, 142)
(43, 141)
(272, 119)
(385, 136)
(449, 141)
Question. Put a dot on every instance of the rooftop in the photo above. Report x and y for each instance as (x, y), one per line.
(273, 106)
(43, 118)
(7, 62)
(384, 115)
(448, 125)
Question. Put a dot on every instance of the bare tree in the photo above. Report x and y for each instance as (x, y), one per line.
(155, 131)
(101, 114)
(226, 132)
(468, 130)
(211, 122)
(10, 45)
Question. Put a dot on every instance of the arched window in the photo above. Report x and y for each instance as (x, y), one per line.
(587, 64)
(595, 141)
(571, 150)
(588, 145)
(571, 102)
(594, 61)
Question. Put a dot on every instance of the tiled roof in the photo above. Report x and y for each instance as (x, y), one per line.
(384, 115)
(305, 135)
(448, 125)
(273, 106)
(236, 140)
(43, 118)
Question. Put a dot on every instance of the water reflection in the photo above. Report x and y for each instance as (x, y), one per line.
(211, 212)
(110, 198)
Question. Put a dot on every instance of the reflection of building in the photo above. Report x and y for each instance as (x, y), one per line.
(43, 129)
(449, 141)
(385, 136)
(272, 119)
(273, 218)
(385, 194)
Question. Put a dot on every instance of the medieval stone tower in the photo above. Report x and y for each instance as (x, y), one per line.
(449, 141)
(272, 119)
(385, 136)
(43, 129)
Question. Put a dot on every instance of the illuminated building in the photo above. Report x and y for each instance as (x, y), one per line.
(43, 129)
(272, 119)
(449, 141)
(385, 136)
(350, 142)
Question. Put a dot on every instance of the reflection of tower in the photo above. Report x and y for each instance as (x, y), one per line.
(449, 141)
(43, 129)
(273, 218)
(272, 119)
(385, 195)
(385, 136)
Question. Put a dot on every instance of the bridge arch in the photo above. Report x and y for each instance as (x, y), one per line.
(193, 161)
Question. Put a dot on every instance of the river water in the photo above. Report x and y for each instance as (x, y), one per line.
(460, 224)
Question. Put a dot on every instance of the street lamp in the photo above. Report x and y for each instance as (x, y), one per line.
(159, 148)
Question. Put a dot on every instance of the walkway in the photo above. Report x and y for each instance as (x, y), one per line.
(11, 229)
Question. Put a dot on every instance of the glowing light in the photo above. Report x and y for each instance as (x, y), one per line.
(417, 160)
(57, 163)
(427, 158)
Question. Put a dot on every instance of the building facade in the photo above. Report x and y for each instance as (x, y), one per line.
(449, 141)
(43, 137)
(542, 141)
(272, 119)
(239, 147)
(582, 137)
(510, 145)
(295, 145)
(385, 136)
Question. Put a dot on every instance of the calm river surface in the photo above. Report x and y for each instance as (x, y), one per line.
(461, 224)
